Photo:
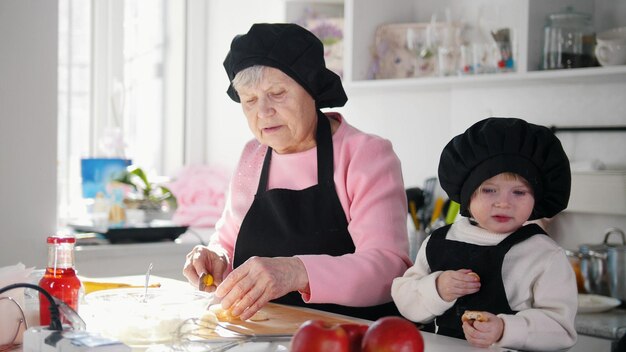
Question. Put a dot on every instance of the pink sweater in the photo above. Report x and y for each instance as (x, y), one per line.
(368, 181)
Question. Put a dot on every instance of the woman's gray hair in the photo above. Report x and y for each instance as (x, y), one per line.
(248, 77)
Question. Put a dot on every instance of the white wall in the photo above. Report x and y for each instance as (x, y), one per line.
(28, 109)
(421, 121)
(418, 122)
(227, 130)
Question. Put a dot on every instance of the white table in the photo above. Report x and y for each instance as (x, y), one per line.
(432, 342)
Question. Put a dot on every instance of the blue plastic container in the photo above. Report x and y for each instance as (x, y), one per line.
(98, 172)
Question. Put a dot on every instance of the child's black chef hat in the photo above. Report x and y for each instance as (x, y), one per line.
(291, 49)
(496, 145)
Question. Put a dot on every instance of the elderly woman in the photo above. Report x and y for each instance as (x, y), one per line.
(316, 210)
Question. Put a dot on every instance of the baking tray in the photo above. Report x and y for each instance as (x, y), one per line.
(142, 232)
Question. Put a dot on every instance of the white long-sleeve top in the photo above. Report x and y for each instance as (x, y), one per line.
(539, 283)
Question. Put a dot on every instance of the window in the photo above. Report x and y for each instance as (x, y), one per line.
(121, 88)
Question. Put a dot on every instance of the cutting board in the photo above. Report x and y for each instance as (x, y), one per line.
(286, 320)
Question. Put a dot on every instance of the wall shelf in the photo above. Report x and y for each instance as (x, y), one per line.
(582, 76)
(525, 18)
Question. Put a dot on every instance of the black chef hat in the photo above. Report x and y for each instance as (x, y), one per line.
(496, 145)
(291, 49)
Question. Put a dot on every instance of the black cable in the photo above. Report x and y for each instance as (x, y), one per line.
(55, 320)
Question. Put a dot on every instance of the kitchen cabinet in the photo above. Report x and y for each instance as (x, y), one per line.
(524, 17)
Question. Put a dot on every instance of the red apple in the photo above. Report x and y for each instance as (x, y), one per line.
(393, 334)
(320, 336)
(355, 334)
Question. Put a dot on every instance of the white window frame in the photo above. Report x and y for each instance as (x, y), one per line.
(186, 141)
(107, 39)
(196, 82)
(183, 139)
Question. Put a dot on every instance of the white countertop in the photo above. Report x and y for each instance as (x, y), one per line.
(432, 342)
(609, 325)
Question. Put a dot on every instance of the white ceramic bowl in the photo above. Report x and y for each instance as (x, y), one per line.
(123, 315)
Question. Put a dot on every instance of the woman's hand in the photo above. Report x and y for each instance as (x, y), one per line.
(484, 334)
(259, 280)
(203, 260)
(454, 284)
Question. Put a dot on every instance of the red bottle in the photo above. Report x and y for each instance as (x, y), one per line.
(60, 278)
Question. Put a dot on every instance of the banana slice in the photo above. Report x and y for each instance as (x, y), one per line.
(226, 316)
(222, 315)
(208, 320)
(205, 328)
(260, 316)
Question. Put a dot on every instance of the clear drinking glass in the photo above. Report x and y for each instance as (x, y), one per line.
(12, 323)
(31, 298)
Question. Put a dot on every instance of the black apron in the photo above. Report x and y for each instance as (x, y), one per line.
(486, 261)
(284, 223)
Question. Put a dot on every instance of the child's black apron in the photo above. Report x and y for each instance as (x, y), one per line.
(284, 223)
(486, 261)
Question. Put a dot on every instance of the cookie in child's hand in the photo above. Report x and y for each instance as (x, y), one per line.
(474, 274)
(473, 315)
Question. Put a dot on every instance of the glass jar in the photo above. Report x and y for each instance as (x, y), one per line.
(569, 41)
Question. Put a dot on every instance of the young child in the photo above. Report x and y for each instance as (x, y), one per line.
(517, 281)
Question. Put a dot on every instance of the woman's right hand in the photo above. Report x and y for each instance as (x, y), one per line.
(453, 284)
(203, 260)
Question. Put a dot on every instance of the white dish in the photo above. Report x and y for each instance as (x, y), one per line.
(588, 303)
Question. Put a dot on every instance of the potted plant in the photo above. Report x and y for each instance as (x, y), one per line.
(157, 201)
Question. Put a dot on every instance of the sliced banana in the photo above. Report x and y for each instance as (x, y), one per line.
(208, 320)
(260, 316)
(222, 315)
(226, 316)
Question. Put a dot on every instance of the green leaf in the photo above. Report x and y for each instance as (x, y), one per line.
(138, 172)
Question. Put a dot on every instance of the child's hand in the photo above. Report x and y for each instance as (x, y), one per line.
(454, 284)
(484, 334)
